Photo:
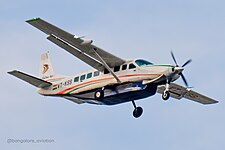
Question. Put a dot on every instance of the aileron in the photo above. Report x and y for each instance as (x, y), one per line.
(192, 95)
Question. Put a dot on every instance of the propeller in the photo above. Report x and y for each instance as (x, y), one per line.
(181, 74)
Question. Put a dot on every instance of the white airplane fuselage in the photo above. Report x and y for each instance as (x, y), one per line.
(72, 86)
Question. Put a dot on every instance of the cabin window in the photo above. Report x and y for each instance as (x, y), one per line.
(76, 79)
(124, 67)
(89, 75)
(106, 71)
(116, 68)
(96, 73)
(82, 77)
(132, 66)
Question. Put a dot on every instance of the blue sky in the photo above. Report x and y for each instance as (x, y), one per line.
(144, 29)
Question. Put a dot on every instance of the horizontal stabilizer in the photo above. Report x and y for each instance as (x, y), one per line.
(30, 79)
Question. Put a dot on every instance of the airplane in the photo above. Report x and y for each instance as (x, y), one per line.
(113, 80)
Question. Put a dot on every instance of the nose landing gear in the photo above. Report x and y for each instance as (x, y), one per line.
(137, 110)
(166, 93)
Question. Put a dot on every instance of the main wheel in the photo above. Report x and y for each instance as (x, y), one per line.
(137, 112)
(166, 95)
(99, 94)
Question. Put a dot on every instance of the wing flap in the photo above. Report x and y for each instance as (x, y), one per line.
(178, 92)
(30, 79)
(77, 42)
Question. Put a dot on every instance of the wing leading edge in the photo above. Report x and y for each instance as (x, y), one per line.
(178, 92)
(77, 46)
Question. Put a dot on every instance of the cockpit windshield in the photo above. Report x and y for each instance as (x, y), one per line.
(141, 62)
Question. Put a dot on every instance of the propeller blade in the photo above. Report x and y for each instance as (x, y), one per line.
(174, 59)
(187, 62)
(181, 68)
(185, 81)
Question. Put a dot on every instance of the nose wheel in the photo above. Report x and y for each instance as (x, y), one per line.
(166, 93)
(137, 110)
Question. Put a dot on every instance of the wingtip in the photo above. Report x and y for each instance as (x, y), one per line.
(213, 102)
(11, 72)
(216, 102)
(33, 19)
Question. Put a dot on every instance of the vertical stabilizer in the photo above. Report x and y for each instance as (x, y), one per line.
(46, 69)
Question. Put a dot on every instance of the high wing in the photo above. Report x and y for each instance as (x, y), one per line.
(178, 92)
(30, 79)
(78, 47)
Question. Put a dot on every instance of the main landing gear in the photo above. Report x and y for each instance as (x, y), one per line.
(137, 110)
(99, 94)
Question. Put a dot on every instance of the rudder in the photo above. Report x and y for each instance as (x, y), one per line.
(46, 69)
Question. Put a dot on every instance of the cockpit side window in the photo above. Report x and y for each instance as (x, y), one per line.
(132, 66)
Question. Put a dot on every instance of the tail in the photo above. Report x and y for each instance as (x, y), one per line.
(46, 69)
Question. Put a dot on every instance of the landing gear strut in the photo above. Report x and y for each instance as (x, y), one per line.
(137, 110)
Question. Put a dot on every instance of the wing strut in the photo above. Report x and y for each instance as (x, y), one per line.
(105, 65)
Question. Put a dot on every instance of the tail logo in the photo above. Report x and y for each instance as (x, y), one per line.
(45, 68)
